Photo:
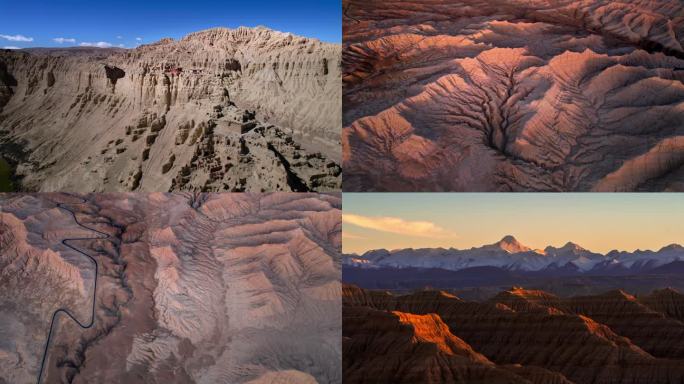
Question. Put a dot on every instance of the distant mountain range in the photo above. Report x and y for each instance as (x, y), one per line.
(510, 255)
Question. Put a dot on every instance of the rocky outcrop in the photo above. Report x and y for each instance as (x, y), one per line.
(68, 108)
(513, 95)
(264, 158)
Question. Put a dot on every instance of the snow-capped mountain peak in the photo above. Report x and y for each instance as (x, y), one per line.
(511, 245)
(508, 253)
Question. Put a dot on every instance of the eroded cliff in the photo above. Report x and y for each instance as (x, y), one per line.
(218, 110)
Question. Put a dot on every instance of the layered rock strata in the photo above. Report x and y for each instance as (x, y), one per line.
(218, 110)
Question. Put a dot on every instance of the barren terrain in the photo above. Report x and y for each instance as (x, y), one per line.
(513, 95)
(246, 109)
(519, 336)
(170, 288)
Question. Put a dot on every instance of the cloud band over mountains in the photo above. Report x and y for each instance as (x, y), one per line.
(16, 38)
(398, 226)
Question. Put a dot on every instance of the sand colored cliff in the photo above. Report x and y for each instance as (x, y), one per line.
(247, 109)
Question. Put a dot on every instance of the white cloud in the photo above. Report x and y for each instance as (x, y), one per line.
(99, 44)
(121, 46)
(63, 40)
(352, 236)
(139, 38)
(11, 47)
(119, 37)
(16, 38)
(398, 225)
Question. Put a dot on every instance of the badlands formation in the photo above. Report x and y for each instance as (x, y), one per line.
(248, 109)
(519, 336)
(170, 288)
(513, 95)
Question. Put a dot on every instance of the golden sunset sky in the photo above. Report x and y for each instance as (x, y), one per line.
(598, 222)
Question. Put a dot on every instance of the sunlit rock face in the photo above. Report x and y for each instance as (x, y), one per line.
(398, 347)
(191, 288)
(246, 109)
(513, 95)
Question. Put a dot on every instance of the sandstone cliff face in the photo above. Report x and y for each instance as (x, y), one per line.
(532, 329)
(513, 95)
(243, 109)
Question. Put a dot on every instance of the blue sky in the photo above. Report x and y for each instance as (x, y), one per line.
(597, 221)
(130, 23)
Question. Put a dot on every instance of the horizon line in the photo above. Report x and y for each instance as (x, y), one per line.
(532, 249)
(183, 36)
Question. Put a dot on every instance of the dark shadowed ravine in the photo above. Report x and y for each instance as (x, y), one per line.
(6, 184)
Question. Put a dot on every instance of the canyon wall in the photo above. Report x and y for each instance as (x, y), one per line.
(242, 109)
